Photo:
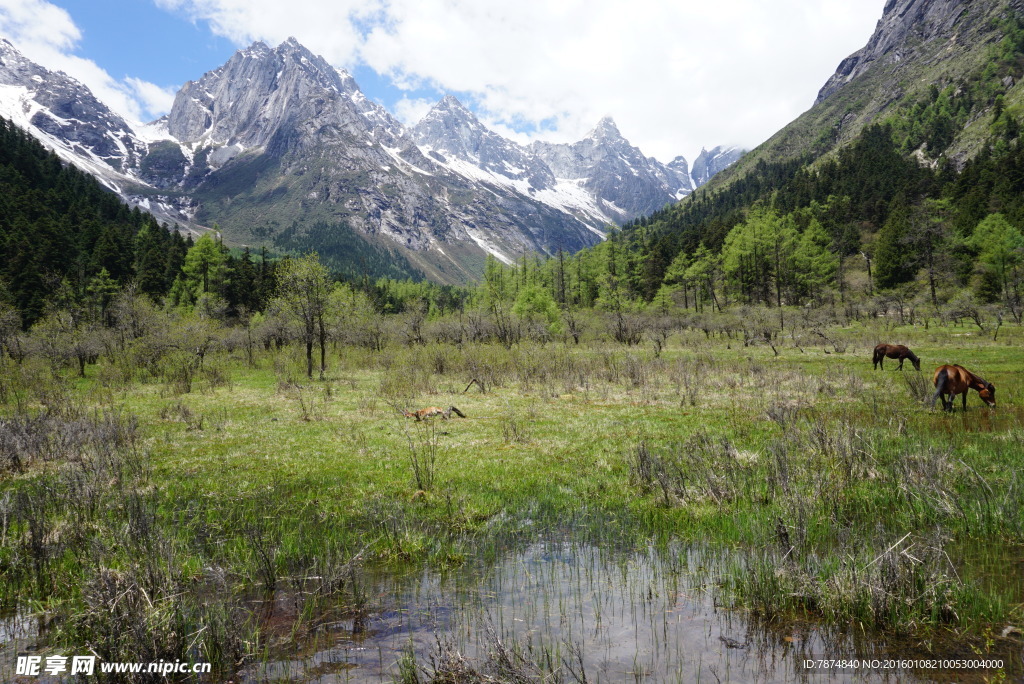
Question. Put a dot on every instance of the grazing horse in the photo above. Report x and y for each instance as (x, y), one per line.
(894, 351)
(954, 380)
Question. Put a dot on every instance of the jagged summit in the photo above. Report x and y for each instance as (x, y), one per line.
(261, 91)
(450, 133)
(710, 162)
(65, 114)
(257, 49)
(452, 103)
(605, 128)
(450, 112)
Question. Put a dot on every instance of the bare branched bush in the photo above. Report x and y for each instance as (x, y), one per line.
(920, 388)
(133, 602)
(424, 451)
(515, 427)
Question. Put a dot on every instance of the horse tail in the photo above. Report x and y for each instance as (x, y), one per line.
(940, 386)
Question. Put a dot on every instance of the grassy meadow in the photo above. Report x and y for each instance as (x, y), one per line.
(142, 513)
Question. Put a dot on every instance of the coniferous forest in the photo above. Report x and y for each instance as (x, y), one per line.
(66, 239)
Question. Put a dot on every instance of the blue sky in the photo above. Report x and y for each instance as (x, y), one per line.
(136, 38)
(674, 76)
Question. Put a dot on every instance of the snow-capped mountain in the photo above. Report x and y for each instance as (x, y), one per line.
(601, 179)
(62, 111)
(277, 144)
(260, 91)
(623, 182)
(708, 163)
(453, 136)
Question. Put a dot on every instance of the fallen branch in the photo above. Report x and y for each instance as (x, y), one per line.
(478, 384)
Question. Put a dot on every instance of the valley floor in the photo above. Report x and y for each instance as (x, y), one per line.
(144, 514)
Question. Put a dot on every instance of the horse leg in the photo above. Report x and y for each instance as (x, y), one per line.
(900, 367)
(940, 388)
(965, 401)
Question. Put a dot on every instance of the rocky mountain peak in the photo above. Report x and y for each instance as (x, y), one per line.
(610, 168)
(257, 50)
(260, 92)
(450, 103)
(449, 112)
(605, 130)
(710, 162)
(450, 131)
(292, 55)
(680, 166)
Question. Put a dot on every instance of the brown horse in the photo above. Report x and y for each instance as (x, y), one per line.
(954, 380)
(894, 351)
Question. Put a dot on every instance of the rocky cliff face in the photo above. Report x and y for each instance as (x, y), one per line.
(451, 133)
(261, 91)
(919, 47)
(57, 106)
(65, 115)
(902, 22)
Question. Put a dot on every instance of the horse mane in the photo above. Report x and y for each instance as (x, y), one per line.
(982, 381)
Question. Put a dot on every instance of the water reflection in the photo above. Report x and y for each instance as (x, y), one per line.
(613, 617)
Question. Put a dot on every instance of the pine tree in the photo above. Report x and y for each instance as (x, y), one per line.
(894, 262)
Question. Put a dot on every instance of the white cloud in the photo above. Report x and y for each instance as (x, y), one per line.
(674, 76)
(410, 110)
(153, 98)
(46, 34)
(37, 22)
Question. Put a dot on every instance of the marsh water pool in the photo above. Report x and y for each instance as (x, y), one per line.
(581, 613)
(559, 611)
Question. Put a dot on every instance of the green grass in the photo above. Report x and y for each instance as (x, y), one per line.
(806, 469)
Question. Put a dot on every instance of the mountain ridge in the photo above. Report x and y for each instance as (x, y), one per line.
(277, 138)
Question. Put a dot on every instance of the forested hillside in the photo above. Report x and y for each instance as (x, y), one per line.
(69, 243)
(60, 228)
(896, 208)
